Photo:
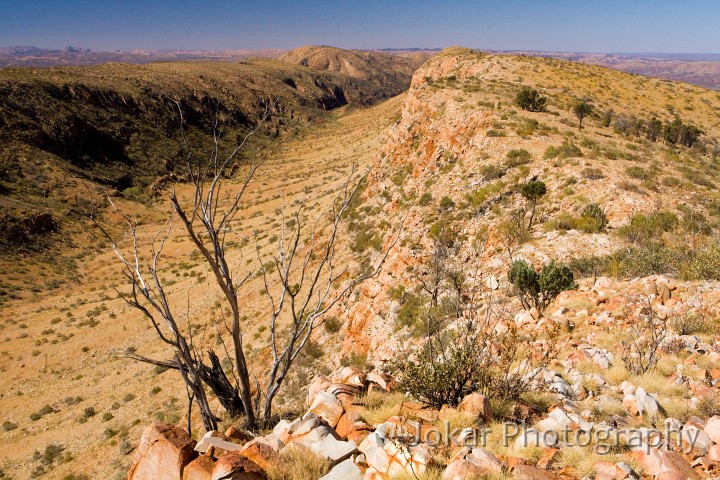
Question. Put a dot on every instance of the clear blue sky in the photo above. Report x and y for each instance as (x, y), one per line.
(690, 26)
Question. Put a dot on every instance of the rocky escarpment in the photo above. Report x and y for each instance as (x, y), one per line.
(390, 72)
(460, 150)
(119, 125)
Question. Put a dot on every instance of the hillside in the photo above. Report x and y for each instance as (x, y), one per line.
(393, 72)
(632, 212)
(461, 137)
(70, 132)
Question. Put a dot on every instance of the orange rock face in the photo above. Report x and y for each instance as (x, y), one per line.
(163, 453)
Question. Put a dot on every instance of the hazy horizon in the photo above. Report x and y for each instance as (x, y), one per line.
(554, 26)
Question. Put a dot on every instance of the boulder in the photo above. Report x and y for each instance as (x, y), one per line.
(527, 472)
(351, 423)
(335, 450)
(346, 470)
(714, 454)
(216, 441)
(327, 407)
(199, 469)
(478, 405)
(382, 380)
(649, 404)
(164, 452)
(473, 463)
(695, 441)
(712, 428)
(656, 462)
(350, 376)
(236, 466)
(632, 405)
(260, 451)
(387, 457)
(319, 384)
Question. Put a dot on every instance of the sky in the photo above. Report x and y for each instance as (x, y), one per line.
(690, 26)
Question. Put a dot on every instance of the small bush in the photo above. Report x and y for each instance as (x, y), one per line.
(332, 324)
(518, 157)
(452, 364)
(425, 199)
(692, 323)
(566, 150)
(642, 340)
(530, 99)
(644, 228)
(596, 216)
(446, 203)
(8, 426)
(539, 289)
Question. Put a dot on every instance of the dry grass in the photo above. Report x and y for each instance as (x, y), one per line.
(531, 454)
(381, 406)
(298, 463)
(432, 473)
(583, 460)
(456, 420)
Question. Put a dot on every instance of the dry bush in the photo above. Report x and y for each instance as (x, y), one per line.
(642, 339)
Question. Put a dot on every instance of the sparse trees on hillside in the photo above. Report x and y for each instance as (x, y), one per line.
(653, 129)
(582, 109)
(530, 99)
(301, 282)
(532, 191)
(679, 133)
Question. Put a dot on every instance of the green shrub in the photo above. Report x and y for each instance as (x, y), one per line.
(596, 216)
(491, 172)
(532, 191)
(364, 237)
(454, 363)
(566, 150)
(446, 203)
(410, 311)
(643, 228)
(517, 157)
(332, 324)
(425, 199)
(639, 173)
(540, 289)
(8, 426)
(530, 99)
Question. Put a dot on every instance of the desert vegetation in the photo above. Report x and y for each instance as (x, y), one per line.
(557, 267)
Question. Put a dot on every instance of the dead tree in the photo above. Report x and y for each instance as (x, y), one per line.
(302, 287)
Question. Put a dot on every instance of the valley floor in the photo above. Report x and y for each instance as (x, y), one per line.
(63, 384)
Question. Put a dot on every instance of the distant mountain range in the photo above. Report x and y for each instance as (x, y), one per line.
(29, 56)
(696, 68)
